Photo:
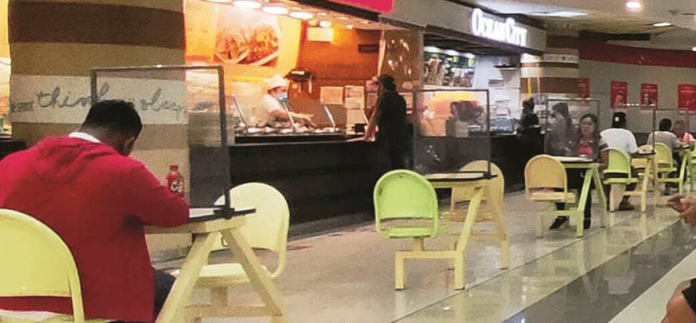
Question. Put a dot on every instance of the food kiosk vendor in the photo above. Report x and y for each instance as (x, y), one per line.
(274, 103)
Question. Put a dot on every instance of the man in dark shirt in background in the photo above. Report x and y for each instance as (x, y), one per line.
(390, 116)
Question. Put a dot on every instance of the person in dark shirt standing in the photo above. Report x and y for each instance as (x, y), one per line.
(390, 117)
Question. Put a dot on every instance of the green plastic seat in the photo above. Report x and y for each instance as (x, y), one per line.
(408, 197)
(666, 166)
(619, 167)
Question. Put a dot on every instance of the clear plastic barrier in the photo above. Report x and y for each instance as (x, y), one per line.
(180, 109)
(572, 127)
(452, 130)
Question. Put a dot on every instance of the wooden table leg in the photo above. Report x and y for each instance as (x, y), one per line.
(499, 219)
(599, 188)
(257, 276)
(183, 286)
(463, 242)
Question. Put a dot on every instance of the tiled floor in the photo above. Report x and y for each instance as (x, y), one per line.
(348, 276)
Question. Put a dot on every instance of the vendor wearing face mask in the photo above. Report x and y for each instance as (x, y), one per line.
(272, 103)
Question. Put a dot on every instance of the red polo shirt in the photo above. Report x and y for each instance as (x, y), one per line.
(97, 201)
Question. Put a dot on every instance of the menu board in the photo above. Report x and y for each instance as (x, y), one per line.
(619, 93)
(687, 96)
(648, 94)
(331, 95)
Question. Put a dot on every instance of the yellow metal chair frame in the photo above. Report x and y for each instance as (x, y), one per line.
(543, 173)
(620, 164)
(266, 229)
(665, 166)
(36, 262)
(403, 195)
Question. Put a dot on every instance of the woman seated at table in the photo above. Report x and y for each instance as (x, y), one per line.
(586, 143)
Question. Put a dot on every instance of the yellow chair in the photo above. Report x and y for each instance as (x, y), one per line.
(266, 229)
(546, 181)
(666, 166)
(495, 189)
(619, 168)
(34, 261)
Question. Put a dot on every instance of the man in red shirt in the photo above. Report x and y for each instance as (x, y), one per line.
(97, 199)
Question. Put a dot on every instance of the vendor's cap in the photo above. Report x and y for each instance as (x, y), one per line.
(276, 81)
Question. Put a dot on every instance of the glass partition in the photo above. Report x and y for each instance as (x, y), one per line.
(452, 130)
(641, 120)
(572, 127)
(183, 109)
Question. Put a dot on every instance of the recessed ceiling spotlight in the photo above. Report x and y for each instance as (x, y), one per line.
(662, 24)
(303, 15)
(342, 18)
(247, 4)
(634, 5)
(325, 24)
(693, 49)
(322, 14)
(366, 22)
(276, 10)
(349, 27)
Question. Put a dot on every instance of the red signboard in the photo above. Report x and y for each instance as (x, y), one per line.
(648, 94)
(687, 96)
(619, 92)
(584, 88)
(374, 5)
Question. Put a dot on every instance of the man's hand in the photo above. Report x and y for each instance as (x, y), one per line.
(685, 207)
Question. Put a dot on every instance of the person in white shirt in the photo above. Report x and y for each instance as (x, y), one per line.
(619, 138)
(272, 103)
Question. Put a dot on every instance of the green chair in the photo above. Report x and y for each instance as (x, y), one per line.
(406, 207)
(666, 166)
(619, 175)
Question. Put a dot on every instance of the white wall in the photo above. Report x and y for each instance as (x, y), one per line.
(486, 72)
(668, 78)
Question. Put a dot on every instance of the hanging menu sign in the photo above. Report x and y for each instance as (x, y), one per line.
(584, 87)
(648, 94)
(619, 92)
(687, 96)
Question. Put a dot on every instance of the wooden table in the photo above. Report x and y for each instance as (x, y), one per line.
(479, 183)
(206, 233)
(591, 174)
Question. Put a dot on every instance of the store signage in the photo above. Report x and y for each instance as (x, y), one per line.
(584, 87)
(648, 94)
(687, 96)
(619, 93)
(498, 29)
(375, 5)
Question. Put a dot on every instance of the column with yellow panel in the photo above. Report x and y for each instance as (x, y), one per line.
(55, 43)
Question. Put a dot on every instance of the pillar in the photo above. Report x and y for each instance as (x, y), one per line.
(556, 73)
(55, 43)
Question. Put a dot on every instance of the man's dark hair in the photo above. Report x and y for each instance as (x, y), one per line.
(387, 82)
(115, 115)
(528, 104)
(665, 125)
(618, 120)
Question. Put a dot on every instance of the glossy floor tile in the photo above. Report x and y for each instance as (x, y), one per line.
(348, 276)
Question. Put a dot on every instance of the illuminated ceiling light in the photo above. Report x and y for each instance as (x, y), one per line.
(325, 24)
(301, 15)
(247, 4)
(661, 24)
(350, 26)
(342, 18)
(276, 10)
(634, 5)
(220, 1)
(322, 14)
(366, 22)
(313, 23)
(693, 49)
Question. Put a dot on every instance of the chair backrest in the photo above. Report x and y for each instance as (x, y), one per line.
(268, 227)
(544, 171)
(619, 163)
(663, 155)
(34, 261)
(496, 187)
(403, 194)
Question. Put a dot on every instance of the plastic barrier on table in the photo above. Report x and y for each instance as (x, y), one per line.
(452, 129)
(183, 122)
(572, 127)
